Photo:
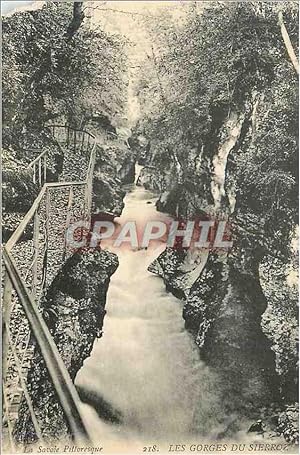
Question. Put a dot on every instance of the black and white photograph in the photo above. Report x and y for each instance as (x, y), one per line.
(150, 227)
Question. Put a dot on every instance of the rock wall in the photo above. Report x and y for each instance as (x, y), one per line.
(228, 303)
(73, 309)
(115, 167)
(224, 302)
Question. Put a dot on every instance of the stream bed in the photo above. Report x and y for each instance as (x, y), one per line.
(146, 365)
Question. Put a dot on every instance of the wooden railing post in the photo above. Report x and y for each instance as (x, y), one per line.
(45, 168)
(40, 171)
(47, 212)
(36, 232)
(34, 174)
(68, 220)
(6, 311)
(89, 182)
(47, 225)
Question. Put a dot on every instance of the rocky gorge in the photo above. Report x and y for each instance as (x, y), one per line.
(227, 300)
(198, 124)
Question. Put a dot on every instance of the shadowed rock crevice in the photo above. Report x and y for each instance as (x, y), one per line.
(115, 166)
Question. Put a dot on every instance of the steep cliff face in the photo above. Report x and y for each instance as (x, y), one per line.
(224, 301)
(174, 196)
(224, 311)
(74, 309)
(280, 322)
(115, 167)
(227, 147)
(151, 178)
(126, 171)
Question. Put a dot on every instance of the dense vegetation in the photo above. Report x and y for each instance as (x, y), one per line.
(48, 74)
(221, 116)
(55, 69)
(230, 58)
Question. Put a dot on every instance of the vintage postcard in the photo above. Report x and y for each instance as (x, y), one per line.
(150, 227)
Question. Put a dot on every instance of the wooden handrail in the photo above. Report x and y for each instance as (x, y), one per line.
(61, 184)
(73, 129)
(58, 126)
(29, 215)
(59, 375)
(20, 229)
(37, 158)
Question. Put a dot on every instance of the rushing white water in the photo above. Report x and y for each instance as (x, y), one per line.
(146, 365)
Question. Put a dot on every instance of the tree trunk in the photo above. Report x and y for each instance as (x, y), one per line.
(78, 16)
(287, 42)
